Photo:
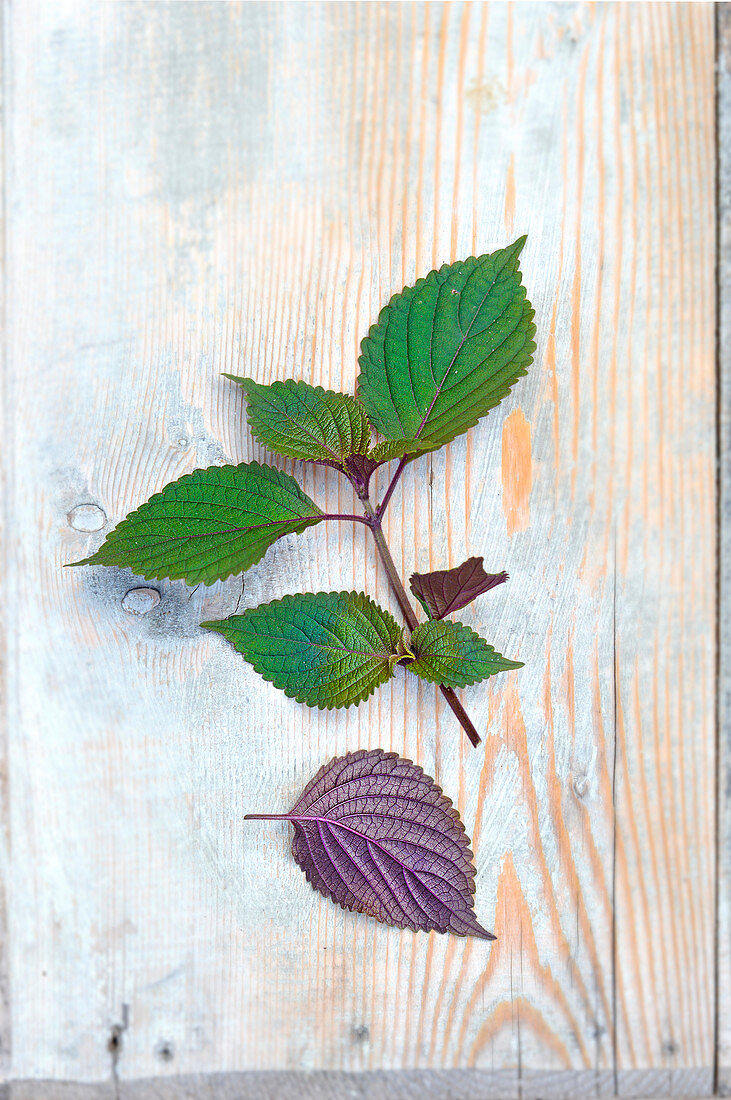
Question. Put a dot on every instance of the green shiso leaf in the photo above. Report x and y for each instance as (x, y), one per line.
(209, 524)
(325, 649)
(447, 350)
(388, 449)
(452, 654)
(308, 422)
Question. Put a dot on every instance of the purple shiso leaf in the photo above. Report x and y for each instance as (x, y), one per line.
(376, 835)
(447, 590)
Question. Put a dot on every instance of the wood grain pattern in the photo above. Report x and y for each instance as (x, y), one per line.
(517, 471)
(221, 187)
(723, 934)
(5, 604)
(453, 1084)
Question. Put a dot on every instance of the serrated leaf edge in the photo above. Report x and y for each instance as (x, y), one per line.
(444, 802)
(377, 331)
(305, 521)
(338, 461)
(467, 681)
(389, 659)
(497, 578)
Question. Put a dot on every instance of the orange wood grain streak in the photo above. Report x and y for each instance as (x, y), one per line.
(517, 471)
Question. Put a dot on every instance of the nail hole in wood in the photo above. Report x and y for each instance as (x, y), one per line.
(87, 517)
(138, 601)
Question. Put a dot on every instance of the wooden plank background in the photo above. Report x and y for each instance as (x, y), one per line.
(195, 188)
(723, 987)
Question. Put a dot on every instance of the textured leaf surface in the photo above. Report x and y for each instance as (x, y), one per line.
(326, 649)
(447, 590)
(447, 350)
(450, 653)
(376, 835)
(307, 422)
(209, 525)
(388, 449)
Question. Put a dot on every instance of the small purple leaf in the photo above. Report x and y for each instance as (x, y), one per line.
(376, 835)
(447, 590)
(359, 469)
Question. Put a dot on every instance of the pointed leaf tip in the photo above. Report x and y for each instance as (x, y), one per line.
(306, 422)
(376, 835)
(325, 649)
(209, 524)
(450, 653)
(447, 350)
(519, 244)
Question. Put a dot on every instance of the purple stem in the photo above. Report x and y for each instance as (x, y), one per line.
(392, 485)
(267, 817)
(373, 520)
(338, 515)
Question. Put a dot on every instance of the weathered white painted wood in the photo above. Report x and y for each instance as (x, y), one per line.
(199, 188)
(454, 1084)
(723, 983)
(5, 603)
